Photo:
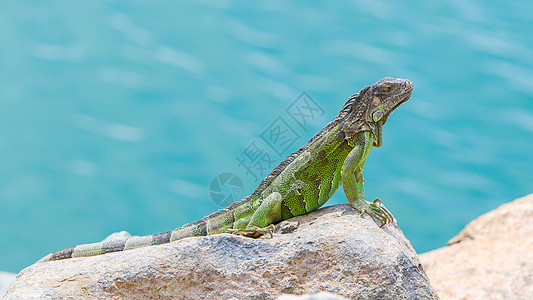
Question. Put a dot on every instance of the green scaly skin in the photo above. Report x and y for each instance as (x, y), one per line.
(303, 182)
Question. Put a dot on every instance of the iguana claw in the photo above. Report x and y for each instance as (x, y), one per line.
(378, 211)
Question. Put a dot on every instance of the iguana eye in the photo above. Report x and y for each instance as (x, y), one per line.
(377, 115)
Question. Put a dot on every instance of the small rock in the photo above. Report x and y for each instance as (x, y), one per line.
(341, 253)
(286, 227)
(121, 235)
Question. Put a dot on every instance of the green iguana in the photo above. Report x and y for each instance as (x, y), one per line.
(303, 182)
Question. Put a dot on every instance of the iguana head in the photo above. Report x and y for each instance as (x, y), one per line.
(380, 100)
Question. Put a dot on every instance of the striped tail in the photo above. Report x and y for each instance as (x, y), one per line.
(215, 223)
(235, 216)
(110, 246)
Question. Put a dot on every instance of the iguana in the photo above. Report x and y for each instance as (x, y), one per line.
(303, 182)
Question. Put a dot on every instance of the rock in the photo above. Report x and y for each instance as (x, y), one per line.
(318, 296)
(5, 280)
(121, 235)
(333, 249)
(492, 258)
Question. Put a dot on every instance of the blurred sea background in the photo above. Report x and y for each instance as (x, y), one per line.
(118, 115)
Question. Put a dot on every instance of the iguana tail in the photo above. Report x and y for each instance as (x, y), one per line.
(109, 246)
(217, 222)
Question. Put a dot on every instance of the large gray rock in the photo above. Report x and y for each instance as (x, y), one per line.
(492, 258)
(333, 249)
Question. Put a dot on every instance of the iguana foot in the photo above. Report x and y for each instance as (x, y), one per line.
(253, 232)
(377, 210)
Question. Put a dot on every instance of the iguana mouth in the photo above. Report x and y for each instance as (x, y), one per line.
(404, 95)
(399, 99)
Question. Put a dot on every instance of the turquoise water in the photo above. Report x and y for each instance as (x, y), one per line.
(117, 115)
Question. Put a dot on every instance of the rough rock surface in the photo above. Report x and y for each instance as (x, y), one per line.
(333, 249)
(318, 296)
(492, 258)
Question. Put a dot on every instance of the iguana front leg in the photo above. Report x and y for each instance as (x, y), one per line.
(352, 181)
(262, 220)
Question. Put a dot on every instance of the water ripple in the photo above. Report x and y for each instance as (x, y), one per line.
(358, 50)
(265, 63)
(179, 59)
(58, 52)
(125, 25)
(83, 167)
(252, 36)
(121, 77)
(517, 76)
(113, 130)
